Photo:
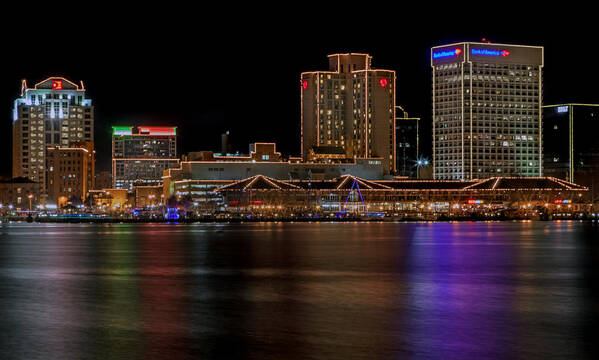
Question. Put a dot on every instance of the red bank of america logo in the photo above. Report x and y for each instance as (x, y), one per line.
(56, 85)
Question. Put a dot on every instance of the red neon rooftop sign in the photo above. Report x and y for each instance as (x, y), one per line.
(56, 84)
(157, 130)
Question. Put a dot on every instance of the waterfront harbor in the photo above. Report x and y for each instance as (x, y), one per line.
(273, 290)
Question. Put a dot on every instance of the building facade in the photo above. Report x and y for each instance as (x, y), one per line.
(350, 110)
(258, 152)
(571, 150)
(110, 200)
(20, 194)
(54, 112)
(70, 174)
(139, 157)
(103, 180)
(197, 180)
(407, 146)
(148, 196)
(487, 102)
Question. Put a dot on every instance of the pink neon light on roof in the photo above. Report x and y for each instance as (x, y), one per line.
(157, 130)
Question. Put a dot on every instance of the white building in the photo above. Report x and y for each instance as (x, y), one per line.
(54, 112)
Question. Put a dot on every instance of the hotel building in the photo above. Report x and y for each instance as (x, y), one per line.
(348, 111)
(140, 157)
(487, 110)
(54, 112)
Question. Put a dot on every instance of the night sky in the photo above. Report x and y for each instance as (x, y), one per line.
(212, 71)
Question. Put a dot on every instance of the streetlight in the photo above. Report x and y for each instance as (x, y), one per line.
(30, 196)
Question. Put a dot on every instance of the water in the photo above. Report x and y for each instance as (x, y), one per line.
(299, 291)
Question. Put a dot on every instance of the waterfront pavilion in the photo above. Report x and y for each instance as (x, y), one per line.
(350, 194)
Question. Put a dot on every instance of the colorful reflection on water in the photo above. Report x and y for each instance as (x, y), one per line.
(295, 291)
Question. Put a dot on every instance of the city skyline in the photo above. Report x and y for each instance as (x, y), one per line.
(372, 181)
(144, 84)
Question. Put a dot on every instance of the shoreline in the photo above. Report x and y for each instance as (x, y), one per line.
(277, 219)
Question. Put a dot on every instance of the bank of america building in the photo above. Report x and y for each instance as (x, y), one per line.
(487, 110)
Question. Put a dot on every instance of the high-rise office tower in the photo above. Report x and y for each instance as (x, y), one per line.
(350, 110)
(487, 110)
(570, 146)
(139, 158)
(54, 112)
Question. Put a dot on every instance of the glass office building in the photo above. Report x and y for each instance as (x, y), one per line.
(407, 146)
(570, 146)
(486, 110)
